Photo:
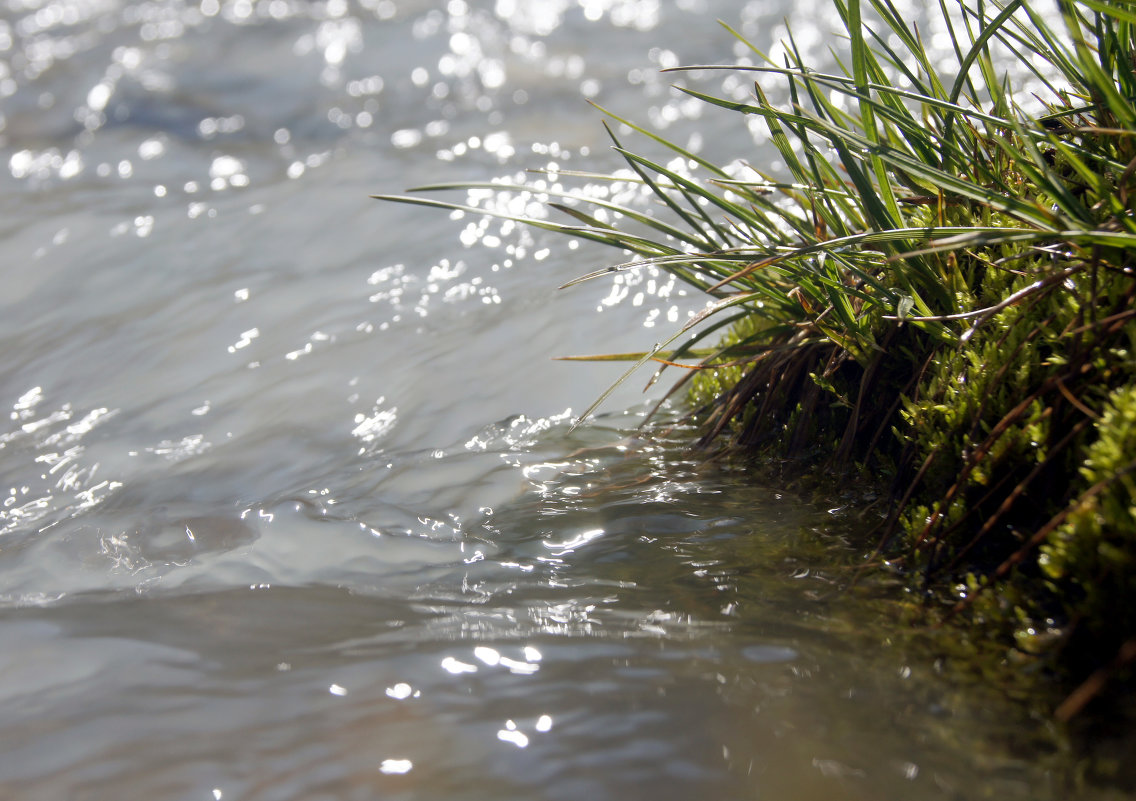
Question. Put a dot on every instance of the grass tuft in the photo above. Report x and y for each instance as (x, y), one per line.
(938, 288)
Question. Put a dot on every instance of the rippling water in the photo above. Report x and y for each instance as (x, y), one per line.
(291, 508)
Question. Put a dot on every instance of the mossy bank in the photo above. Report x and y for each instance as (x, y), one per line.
(935, 293)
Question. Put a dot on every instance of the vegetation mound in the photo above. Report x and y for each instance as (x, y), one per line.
(938, 290)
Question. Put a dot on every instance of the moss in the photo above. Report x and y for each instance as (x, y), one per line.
(1091, 558)
(1022, 517)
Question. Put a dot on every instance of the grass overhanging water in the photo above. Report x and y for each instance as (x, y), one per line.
(938, 289)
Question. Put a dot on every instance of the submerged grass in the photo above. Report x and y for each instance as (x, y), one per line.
(939, 289)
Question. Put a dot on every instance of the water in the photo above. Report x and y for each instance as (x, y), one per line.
(291, 505)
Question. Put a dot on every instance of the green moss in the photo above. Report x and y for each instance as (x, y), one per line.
(1091, 558)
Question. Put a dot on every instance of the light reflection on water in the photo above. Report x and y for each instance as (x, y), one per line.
(633, 620)
(673, 655)
(288, 503)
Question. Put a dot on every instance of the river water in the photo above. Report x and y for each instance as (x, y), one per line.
(292, 506)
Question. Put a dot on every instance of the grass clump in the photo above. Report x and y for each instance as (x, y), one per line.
(938, 288)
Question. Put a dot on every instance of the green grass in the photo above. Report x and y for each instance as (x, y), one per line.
(938, 290)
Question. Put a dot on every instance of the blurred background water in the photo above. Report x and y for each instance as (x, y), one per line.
(290, 505)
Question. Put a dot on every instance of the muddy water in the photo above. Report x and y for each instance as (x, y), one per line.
(290, 504)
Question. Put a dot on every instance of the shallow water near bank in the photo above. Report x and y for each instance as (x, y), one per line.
(292, 507)
(638, 623)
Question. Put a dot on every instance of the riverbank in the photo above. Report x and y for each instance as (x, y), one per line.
(934, 289)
